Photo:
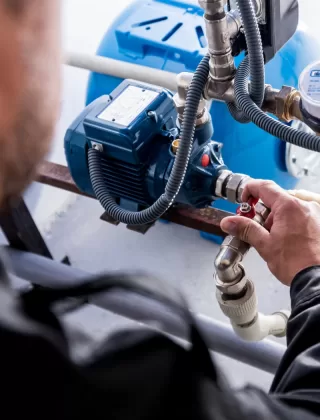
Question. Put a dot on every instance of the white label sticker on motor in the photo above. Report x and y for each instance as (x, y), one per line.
(129, 105)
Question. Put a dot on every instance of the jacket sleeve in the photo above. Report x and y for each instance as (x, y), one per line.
(295, 393)
(297, 381)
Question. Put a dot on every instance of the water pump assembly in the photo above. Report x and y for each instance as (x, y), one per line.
(141, 149)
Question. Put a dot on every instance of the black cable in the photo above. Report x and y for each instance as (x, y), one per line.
(256, 57)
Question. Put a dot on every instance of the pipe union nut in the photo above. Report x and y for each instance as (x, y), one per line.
(233, 187)
(283, 102)
(203, 118)
(231, 289)
(242, 185)
(220, 182)
(263, 211)
(241, 311)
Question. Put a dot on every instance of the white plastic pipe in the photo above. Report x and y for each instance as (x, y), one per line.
(242, 311)
(121, 69)
(264, 326)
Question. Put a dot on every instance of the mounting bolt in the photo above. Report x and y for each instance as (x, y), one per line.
(97, 146)
(153, 115)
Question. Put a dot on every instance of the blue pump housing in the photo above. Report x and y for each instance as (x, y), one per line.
(134, 129)
(169, 35)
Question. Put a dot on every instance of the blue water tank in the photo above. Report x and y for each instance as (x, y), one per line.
(170, 35)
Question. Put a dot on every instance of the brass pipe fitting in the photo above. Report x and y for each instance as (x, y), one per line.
(283, 103)
(175, 146)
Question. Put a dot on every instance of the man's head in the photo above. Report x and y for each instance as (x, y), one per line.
(29, 88)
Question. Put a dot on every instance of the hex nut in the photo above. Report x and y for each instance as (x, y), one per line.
(203, 118)
(220, 181)
(283, 103)
(231, 288)
(212, 7)
(262, 210)
(242, 185)
(233, 186)
(97, 146)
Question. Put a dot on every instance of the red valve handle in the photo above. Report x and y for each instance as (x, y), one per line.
(250, 211)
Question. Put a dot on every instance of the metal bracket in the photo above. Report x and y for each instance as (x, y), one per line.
(206, 220)
(143, 229)
(107, 218)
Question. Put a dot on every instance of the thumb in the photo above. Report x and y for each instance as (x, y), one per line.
(247, 230)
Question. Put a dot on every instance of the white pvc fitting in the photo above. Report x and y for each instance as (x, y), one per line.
(309, 86)
(264, 326)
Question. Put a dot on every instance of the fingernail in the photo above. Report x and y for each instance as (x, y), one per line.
(229, 227)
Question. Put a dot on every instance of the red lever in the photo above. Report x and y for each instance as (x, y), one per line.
(248, 209)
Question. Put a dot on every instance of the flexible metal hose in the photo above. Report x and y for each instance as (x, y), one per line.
(263, 120)
(179, 169)
(256, 57)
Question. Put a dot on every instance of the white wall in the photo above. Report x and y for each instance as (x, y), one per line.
(309, 12)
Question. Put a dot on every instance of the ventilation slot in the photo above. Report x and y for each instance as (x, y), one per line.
(150, 22)
(125, 180)
(201, 37)
(172, 32)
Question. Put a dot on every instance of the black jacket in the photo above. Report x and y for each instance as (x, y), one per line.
(295, 392)
(144, 376)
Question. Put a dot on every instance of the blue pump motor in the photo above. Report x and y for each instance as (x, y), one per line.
(134, 129)
(170, 35)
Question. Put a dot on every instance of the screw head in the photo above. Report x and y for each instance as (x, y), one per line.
(245, 208)
(153, 115)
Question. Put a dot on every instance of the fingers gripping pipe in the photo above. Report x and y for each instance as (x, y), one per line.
(236, 293)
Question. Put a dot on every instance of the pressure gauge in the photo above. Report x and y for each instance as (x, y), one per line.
(309, 87)
(300, 162)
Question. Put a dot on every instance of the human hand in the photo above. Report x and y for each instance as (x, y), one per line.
(290, 240)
